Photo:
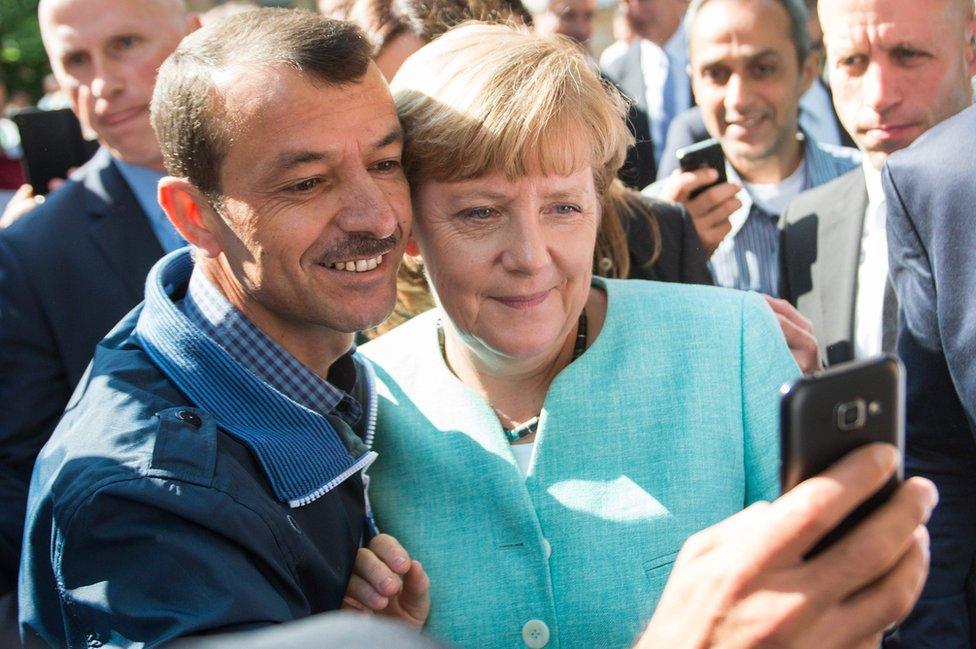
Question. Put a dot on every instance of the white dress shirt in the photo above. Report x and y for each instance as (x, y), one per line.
(872, 269)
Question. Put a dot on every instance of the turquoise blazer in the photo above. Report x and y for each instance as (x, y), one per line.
(666, 425)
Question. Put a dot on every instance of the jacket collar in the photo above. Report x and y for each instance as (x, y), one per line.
(118, 226)
(299, 450)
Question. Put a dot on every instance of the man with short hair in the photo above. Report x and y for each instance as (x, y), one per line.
(897, 69)
(207, 477)
(76, 264)
(651, 70)
(208, 471)
(750, 63)
(570, 18)
(818, 120)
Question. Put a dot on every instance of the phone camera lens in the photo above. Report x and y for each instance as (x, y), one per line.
(851, 415)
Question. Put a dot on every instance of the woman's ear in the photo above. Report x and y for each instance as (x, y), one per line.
(191, 214)
(412, 248)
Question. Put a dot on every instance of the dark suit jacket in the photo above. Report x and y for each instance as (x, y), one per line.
(931, 240)
(819, 253)
(69, 271)
(680, 258)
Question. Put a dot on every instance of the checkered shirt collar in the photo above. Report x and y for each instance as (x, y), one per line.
(207, 308)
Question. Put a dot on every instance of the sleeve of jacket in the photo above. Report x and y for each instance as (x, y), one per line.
(766, 365)
(33, 392)
(148, 560)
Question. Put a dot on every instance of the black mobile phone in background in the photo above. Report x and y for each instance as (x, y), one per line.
(826, 415)
(701, 155)
(52, 143)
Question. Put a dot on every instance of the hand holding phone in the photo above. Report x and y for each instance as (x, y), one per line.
(826, 415)
(707, 154)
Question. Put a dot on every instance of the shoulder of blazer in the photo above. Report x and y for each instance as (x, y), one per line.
(840, 196)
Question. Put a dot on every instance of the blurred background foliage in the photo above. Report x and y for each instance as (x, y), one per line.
(23, 63)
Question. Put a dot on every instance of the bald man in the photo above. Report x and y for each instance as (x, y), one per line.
(73, 267)
(897, 69)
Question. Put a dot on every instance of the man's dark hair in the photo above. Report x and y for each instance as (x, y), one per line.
(188, 116)
(795, 9)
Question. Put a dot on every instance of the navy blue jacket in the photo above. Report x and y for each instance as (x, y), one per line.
(148, 520)
(930, 198)
(69, 271)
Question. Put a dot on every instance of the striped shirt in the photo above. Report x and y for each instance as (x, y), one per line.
(748, 257)
(207, 308)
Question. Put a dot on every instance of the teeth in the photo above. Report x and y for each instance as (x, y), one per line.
(359, 265)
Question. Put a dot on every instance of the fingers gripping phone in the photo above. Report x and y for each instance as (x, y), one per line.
(702, 155)
(828, 414)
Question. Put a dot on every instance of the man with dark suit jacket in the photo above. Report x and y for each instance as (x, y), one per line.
(834, 262)
(651, 70)
(898, 68)
(71, 268)
(932, 234)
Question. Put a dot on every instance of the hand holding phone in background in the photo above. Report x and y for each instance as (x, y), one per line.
(701, 186)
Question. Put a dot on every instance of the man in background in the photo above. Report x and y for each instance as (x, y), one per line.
(818, 120)
(897, 68)
(570, 18)
(72, 267)
(750, 63)
(651, 70)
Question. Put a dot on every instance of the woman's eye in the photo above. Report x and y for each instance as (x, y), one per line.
(479, 213)
(566, 209)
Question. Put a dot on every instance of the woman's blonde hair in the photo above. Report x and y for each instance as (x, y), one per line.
(496, 98)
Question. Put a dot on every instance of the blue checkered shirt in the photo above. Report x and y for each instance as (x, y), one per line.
(207, 308)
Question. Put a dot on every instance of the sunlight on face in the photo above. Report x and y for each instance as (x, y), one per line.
(510, 261)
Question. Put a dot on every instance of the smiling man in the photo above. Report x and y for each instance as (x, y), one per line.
(750, 64)
(208, 473)
(75, 265)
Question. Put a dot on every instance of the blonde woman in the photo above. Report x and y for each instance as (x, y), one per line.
(548, 439)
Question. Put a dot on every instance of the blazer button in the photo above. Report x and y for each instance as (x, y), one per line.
(189, 417)
(535, 634)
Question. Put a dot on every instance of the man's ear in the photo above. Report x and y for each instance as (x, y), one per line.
(971, 47)
(809, 71)
(191, 214)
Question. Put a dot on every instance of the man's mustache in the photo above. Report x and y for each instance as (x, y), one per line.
(358, 248)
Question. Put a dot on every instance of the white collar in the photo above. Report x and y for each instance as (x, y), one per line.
(872, 181)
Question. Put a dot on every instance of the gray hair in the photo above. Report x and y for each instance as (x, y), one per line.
(795, 9)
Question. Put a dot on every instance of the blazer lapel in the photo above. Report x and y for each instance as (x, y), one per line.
(840, 252)
(119, 228)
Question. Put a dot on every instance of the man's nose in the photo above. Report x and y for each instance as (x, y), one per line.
(881, 86)
(736, 93)
(108, 78)
(367, 208)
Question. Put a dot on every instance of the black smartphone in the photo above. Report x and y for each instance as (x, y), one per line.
(701, 155)
(52, 144)
(826, 415)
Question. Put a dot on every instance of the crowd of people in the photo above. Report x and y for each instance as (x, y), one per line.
(405, 310)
